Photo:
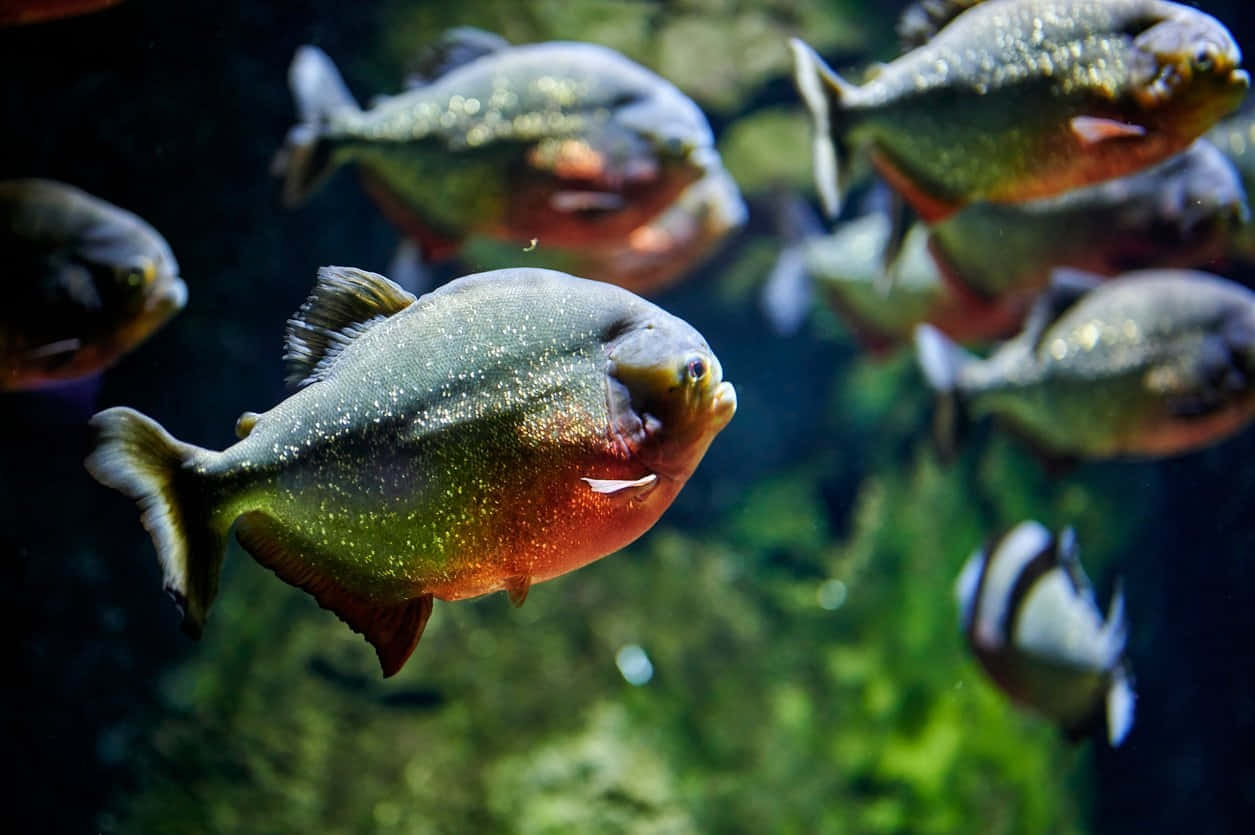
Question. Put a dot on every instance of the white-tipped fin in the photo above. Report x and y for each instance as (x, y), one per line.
(134, 455)
(786, 296)
(407, 268)
(1115, 631)
(939, 358)
(966, 586)
(317, 85)
(810, 74)
(615, 485)
(1121, 701)
(344, 304)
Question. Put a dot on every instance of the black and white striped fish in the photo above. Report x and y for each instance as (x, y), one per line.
(1029, 614)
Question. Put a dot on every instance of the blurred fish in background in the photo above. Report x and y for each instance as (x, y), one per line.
(1027, 609)
(1153, 363)
(86, 282)
(19, 12)
(845, 269)
(569, 145)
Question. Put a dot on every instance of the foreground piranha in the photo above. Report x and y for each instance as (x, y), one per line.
(1029, 614)
(500, 431)
(568, 144)
(1152, 363)
(1180, 213)
(1015, 100)
(86, 282)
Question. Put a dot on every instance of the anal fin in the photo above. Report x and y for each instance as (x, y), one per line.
(516, 588)
(393, 630)
(929, 207)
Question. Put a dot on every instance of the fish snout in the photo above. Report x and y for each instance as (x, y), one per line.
(723, 404)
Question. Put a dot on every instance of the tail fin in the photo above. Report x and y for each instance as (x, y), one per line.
(1120, 704)
(305, 159)
(941, 359)
(786, 295)
(136, 456)
(824, 93)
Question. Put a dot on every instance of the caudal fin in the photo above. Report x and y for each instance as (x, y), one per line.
(136, 456)
(941, 359)
(319, 91)
(823, 92)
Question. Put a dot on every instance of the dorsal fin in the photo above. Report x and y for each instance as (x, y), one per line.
(925, 18)
(344, 304)
(1067, 287)
(453, 49)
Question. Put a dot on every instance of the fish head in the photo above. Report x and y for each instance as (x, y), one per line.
(666, 393)
(135, 274)
(1210, 188)
(672, 125)
(1190, 61)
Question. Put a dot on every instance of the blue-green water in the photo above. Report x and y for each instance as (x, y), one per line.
(795, 603)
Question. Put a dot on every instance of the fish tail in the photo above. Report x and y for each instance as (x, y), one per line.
(305, 160)
(786, 295)
(825, 94)
(941, 360)
(134, 455)
(1121, 701)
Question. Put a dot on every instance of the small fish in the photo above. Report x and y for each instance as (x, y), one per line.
(1180, 213)
(499, 431)
(87, 282)
(846, 268)
(1015, 100)
(568, 143)
(1152, 363)
(1029, 614)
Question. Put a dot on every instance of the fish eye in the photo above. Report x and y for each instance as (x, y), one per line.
(1205, 58)
(139, 275)
(696, 369)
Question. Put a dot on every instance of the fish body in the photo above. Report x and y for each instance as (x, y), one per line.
(567, 143)
(1152, 363)
(1028, 612)
(1016, 100)
(500, 431)
(1180, 213)
(656, 254)
(85, 281)
(847, 268)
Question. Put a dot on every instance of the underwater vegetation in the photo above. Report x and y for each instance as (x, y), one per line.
(781, 650)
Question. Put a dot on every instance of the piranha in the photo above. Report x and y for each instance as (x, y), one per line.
(87, 282)
(1015, 100)
(1152, 363)
(504, 429)
(1180, 213)
(845, 269)
(570, 144)
(656, 254)
(1029, 614)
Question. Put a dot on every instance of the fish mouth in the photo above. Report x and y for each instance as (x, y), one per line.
(1240, 78)
(723, 405)
(169, 300)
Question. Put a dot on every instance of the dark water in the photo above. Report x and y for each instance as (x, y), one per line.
(767, 712)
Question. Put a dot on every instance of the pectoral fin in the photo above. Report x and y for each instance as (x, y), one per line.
(614, 485)
(393, 630)
(586, 201)
(1091, 130)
